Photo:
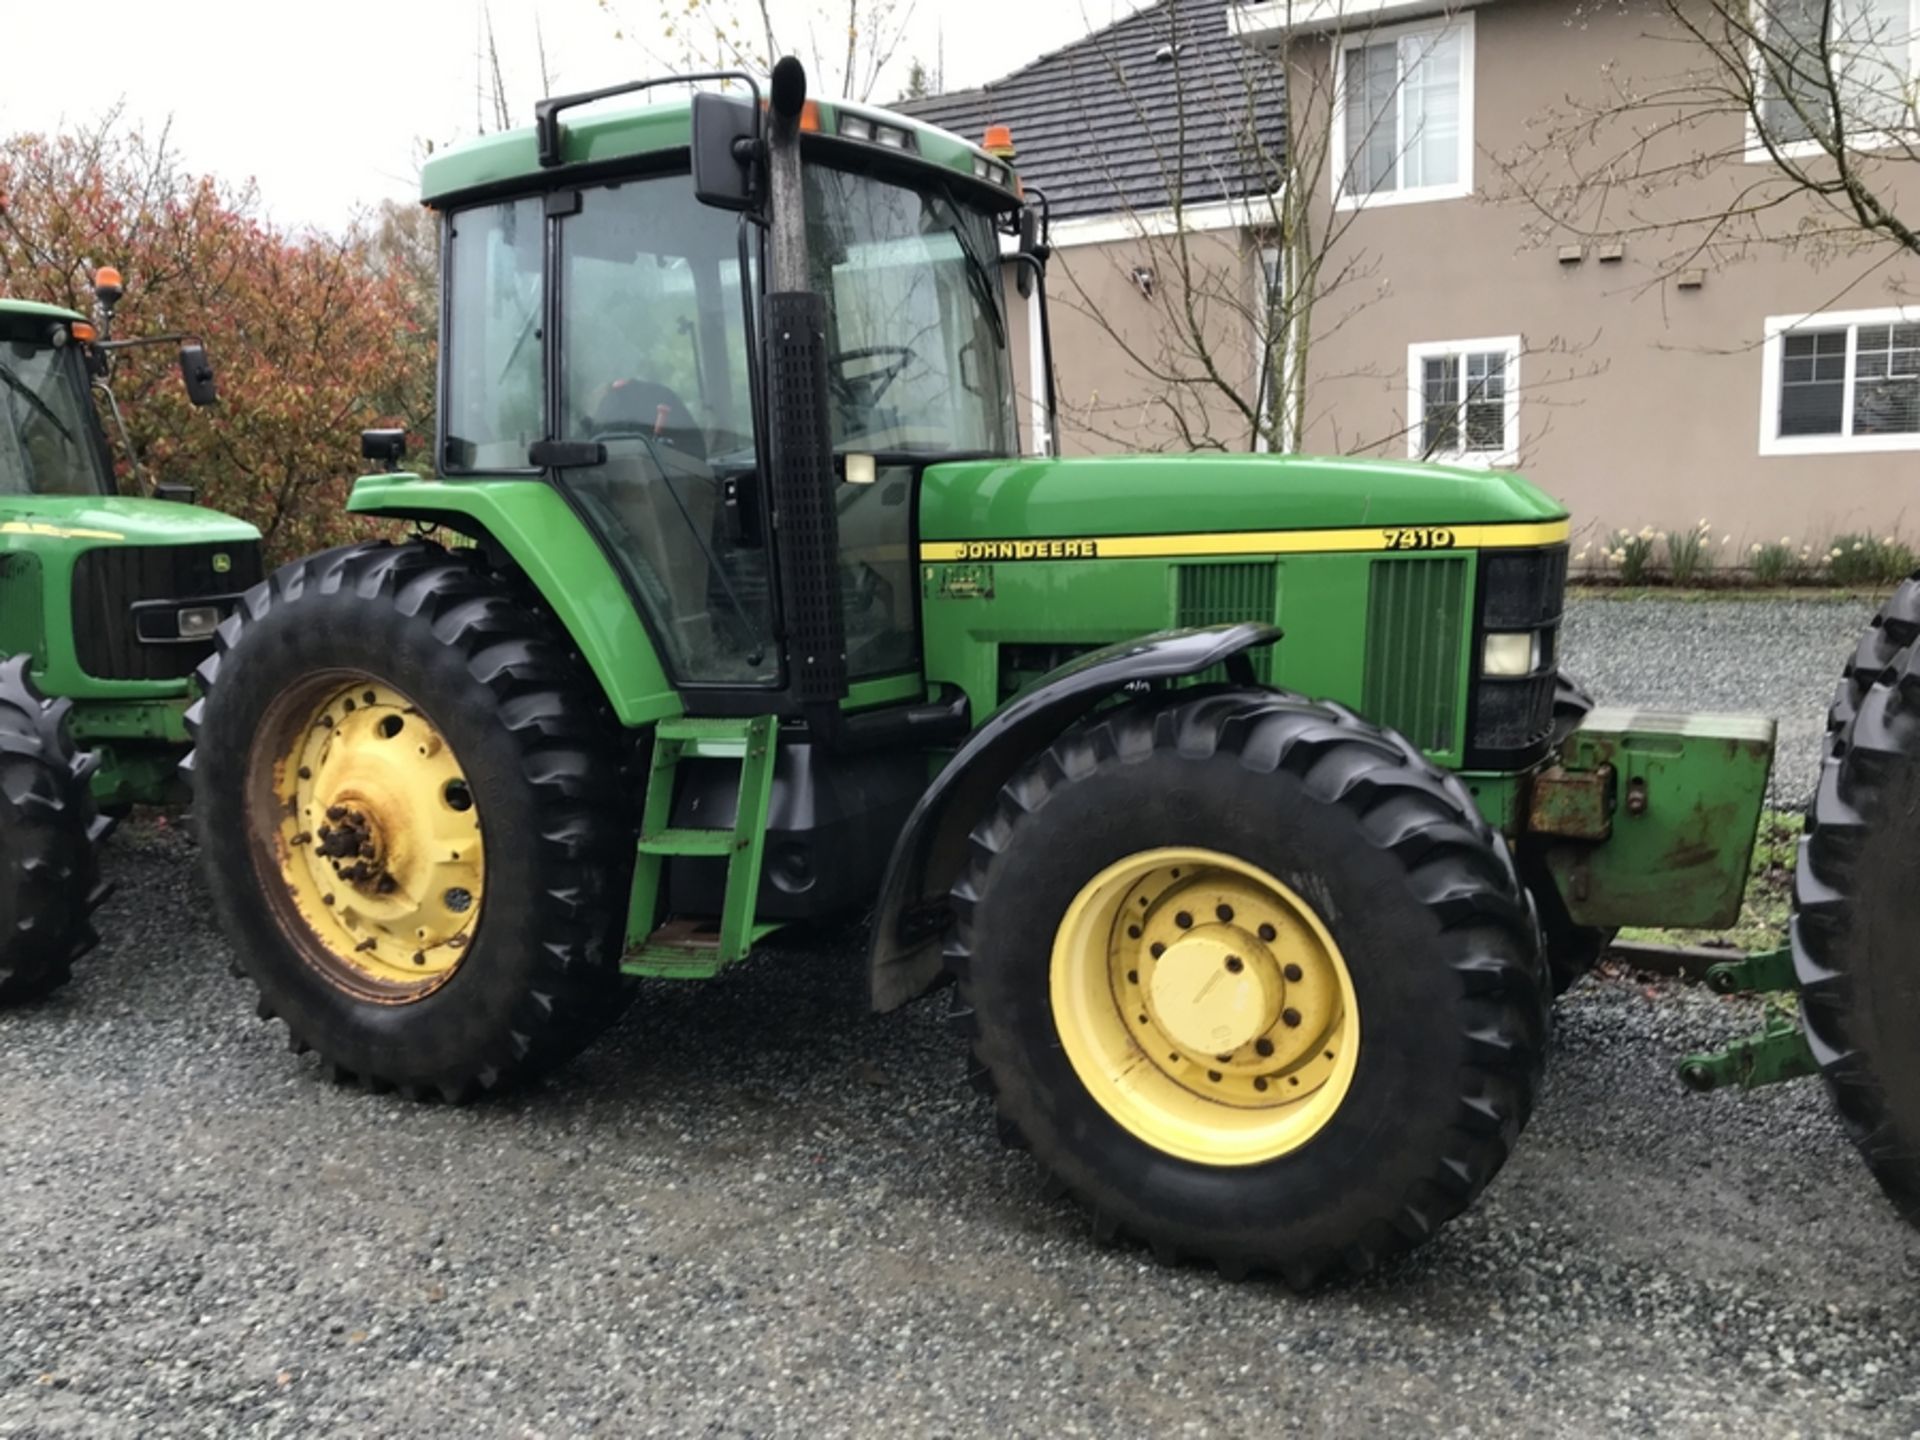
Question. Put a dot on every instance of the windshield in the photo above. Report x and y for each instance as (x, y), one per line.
(918, 361)
(46, 436)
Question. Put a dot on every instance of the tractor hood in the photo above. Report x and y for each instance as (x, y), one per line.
(96, 520)
(1141, 495)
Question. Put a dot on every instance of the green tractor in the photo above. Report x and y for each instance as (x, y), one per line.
(107, 602)
(760, 617)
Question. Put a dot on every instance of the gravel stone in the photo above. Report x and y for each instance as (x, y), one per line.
(1779, 658)
(755, 1209)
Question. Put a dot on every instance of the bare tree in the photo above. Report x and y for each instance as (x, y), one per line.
(1230, 336)
(1819, 92)
(847, 44)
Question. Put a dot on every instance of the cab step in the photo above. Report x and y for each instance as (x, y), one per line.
(685, 949)
(701, 947)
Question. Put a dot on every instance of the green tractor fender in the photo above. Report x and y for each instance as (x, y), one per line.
(530, 524)
(912, 914)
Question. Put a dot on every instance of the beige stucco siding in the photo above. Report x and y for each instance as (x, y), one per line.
(1112, 344)
(1640, 402)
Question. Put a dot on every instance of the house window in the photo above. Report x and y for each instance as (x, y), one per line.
(1811, 55)
(1843, 381)
(1403, 114)
(1463, 401)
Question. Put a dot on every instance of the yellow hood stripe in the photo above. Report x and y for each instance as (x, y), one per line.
(1256, 542)
(55, 532)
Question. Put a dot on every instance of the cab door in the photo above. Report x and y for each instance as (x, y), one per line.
(651, 377)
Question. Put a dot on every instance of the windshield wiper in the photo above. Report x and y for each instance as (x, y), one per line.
(979, 280)
(20, 387)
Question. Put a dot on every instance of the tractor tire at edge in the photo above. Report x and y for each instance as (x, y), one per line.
(50, 833)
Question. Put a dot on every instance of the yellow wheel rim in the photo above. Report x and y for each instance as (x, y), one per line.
(1205, 1006)
(374, 833)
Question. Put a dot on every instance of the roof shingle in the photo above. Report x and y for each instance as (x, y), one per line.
(1163, 104)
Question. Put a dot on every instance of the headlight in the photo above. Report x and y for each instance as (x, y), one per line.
(199, 621)
(1510, 653)
(856, 127)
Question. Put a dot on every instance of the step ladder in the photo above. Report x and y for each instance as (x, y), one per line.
(694, 949)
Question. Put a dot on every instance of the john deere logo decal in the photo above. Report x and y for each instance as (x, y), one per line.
(222, 563)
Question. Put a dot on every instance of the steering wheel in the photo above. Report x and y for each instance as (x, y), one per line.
(634, 406)
(865, 390)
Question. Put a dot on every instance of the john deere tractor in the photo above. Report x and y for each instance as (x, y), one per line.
(108, 602)
(766, 618)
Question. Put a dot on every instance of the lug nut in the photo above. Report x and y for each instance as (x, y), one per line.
(326, 899)
(1268, 933)
(1225, 912)
(1235, 964)
(1183, 920)
(1293, 972)
(1156, 949)
(1263, 1047)
(1290, 1017)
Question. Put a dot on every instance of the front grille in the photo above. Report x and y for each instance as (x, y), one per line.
(23, 626)
(1227, 594)
(1416, 621)
(109, 581)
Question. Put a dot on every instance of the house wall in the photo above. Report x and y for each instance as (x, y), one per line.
(1112, 344)
(1640, 401)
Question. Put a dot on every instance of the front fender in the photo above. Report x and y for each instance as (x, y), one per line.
(904, 959)
(530, 522)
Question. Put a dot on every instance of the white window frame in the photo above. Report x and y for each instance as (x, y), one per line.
(1872, 138)
(1772, 442)
(1509, 454)
(1419, 194)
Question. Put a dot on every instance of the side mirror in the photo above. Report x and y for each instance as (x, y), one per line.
(172, 490)
(388, 447)
(726, 133)
(1023, 279)
(197, 371)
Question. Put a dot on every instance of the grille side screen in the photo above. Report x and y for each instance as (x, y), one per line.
(1226, 594)
(23, 628)
(1416, 624)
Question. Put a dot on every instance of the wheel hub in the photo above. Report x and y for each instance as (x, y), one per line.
(1207, 997)
(381, 848)
(1205, 1005)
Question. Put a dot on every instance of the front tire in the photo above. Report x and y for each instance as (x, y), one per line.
(1379, 1040)
(409, 797)
(49, 838)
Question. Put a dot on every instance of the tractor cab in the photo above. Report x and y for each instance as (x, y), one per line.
(51, 442)
(604, 328)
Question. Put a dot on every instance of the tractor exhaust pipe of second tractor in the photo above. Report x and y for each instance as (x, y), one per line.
(800, 429)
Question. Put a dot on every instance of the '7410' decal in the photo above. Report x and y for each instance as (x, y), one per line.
(1422, 538)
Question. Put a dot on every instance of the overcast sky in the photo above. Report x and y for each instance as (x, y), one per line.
(325, 105)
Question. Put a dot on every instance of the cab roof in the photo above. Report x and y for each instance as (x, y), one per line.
(598, 136)
(34, 309)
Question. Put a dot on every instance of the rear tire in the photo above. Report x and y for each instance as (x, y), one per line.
(1382, 855)
(49, 833)
(1856, 907)
(458, 779)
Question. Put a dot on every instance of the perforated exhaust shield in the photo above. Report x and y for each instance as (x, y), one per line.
(802, 478)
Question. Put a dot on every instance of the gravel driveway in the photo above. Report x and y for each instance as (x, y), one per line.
(1771, 657)
(755, 1210)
